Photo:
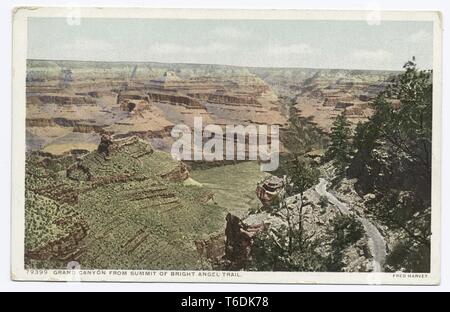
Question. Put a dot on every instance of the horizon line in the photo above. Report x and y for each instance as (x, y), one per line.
(218, 64)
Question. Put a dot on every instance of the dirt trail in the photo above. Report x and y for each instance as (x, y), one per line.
(377, 244)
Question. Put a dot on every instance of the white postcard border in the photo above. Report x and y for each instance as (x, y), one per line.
(19, 273)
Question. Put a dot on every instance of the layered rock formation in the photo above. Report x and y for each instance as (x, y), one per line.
(238, 243)
(231, 249)
(124, 205)
(53, 231)
(235, 248)
(149, 100)
(323, 97)
(319, 95)
(172, 99)
(105, 97)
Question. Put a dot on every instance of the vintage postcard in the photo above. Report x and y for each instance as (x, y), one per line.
(238, 146)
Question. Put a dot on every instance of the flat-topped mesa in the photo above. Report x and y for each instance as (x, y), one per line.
(160, 93)
(122, 160)
(233, 100)
(133, 102)
(247, 84)
(166, 82)
(100, 164)
(123, 96)
(173, 99)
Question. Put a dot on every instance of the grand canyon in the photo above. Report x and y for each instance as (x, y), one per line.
(102, 188)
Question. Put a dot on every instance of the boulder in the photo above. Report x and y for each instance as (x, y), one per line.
(269, 189)
(238, 242)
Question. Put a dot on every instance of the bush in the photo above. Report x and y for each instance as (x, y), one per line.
(403, 257)
(270, 252)
(323, 202)
(345, 230)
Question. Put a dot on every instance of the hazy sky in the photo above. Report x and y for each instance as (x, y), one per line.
(280, 43)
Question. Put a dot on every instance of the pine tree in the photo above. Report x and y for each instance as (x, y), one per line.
(300, 178)
(340, 146)
(392, 160)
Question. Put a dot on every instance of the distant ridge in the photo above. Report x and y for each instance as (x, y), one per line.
(153, 63)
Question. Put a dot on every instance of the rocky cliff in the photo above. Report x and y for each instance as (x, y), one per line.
(99, 97)
(319, 95)
(123, 205)
(238, 247)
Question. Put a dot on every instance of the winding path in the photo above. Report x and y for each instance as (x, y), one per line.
(377, 244)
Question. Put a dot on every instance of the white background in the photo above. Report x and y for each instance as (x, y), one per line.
(5, 134)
